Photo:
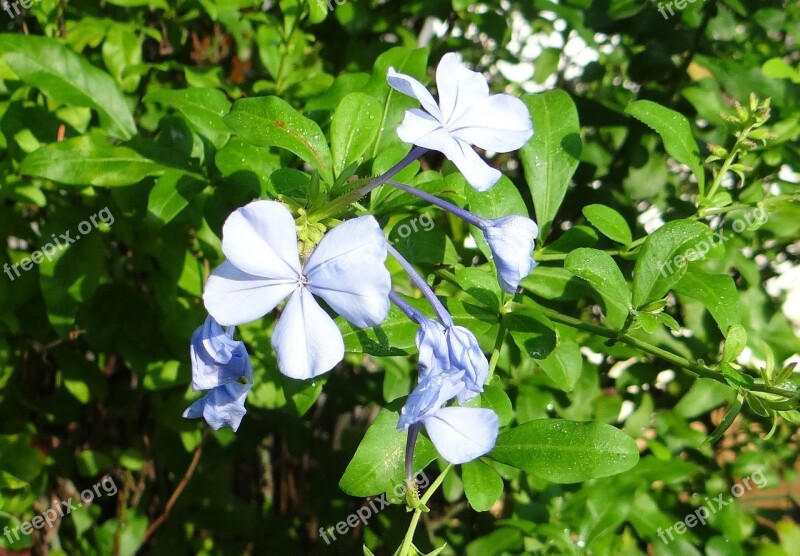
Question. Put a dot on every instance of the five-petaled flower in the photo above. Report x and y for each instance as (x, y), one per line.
(465, 115)
(263, 267)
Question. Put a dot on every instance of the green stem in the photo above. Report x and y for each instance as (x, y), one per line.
(341, 204)
(405, 548)
(691, 366)
(498, 345)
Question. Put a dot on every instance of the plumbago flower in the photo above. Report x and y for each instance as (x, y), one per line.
(511, 240)
(465, 115)
(221, 365)
(460, 434)
(263, 267)
(451, 366)
(452, 348)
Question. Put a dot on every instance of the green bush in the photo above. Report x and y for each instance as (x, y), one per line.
(642, 373)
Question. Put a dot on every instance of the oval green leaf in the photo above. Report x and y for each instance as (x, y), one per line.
(566, 451)
(272, 122)
(610, 223)
(66, 77)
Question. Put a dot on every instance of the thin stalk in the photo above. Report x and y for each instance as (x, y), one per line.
(405, 548)
(411, 442)
(419, 281)
(688, 365)
(411, 312)
(465, 215)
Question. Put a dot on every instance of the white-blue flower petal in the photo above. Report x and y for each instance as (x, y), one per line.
(511, 239)
(347, 271)
(260, 239)
(306, 340)
(217, 358)
(235, 297)
(462, 434)
(221, 407)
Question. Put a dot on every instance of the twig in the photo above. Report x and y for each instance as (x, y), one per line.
(178, 490)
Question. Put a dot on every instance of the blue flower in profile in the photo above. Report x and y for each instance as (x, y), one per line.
(511, 239)
(460, 434)
(222, 366)
(262, 268)
(452, 349)
(216, 357)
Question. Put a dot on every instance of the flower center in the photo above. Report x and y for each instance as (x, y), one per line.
(302, 281)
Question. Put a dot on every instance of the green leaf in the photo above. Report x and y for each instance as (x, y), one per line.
(172, 193)
(564, 365)
(91, 463)
(394, 103)
(354, 128)
(599, 269)
(551, 157)
(90, 160)
(69, 275)
(532, 332)
(735, 342)
(727, 421)
(610, 223)
(562, 451)
(662, 259)
(67, 77)
(676, 133)
(717, 292)
(10, 482)
(272, 122)
(482, 485)
(203, 108)
(704, 395)
(248, 165)
(394, 336)
(495, 398)
(137, 3)
(378, 464)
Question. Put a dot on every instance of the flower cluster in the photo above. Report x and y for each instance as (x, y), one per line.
(346, 270)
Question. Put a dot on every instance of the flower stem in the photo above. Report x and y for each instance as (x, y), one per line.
(498, 345)
(340, 204)
(405, 548)
(419, 281)
(411, 442)
(465, 215)
(693, 367)
(411, 312)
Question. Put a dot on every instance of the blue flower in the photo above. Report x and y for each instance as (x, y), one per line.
(263, 267)
(511, 239)
(465, 115)
(217, 357)
(223, 406)
(460, 434)
(221, 365)
(452, 349)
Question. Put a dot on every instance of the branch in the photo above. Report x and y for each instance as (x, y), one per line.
(178, 490)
